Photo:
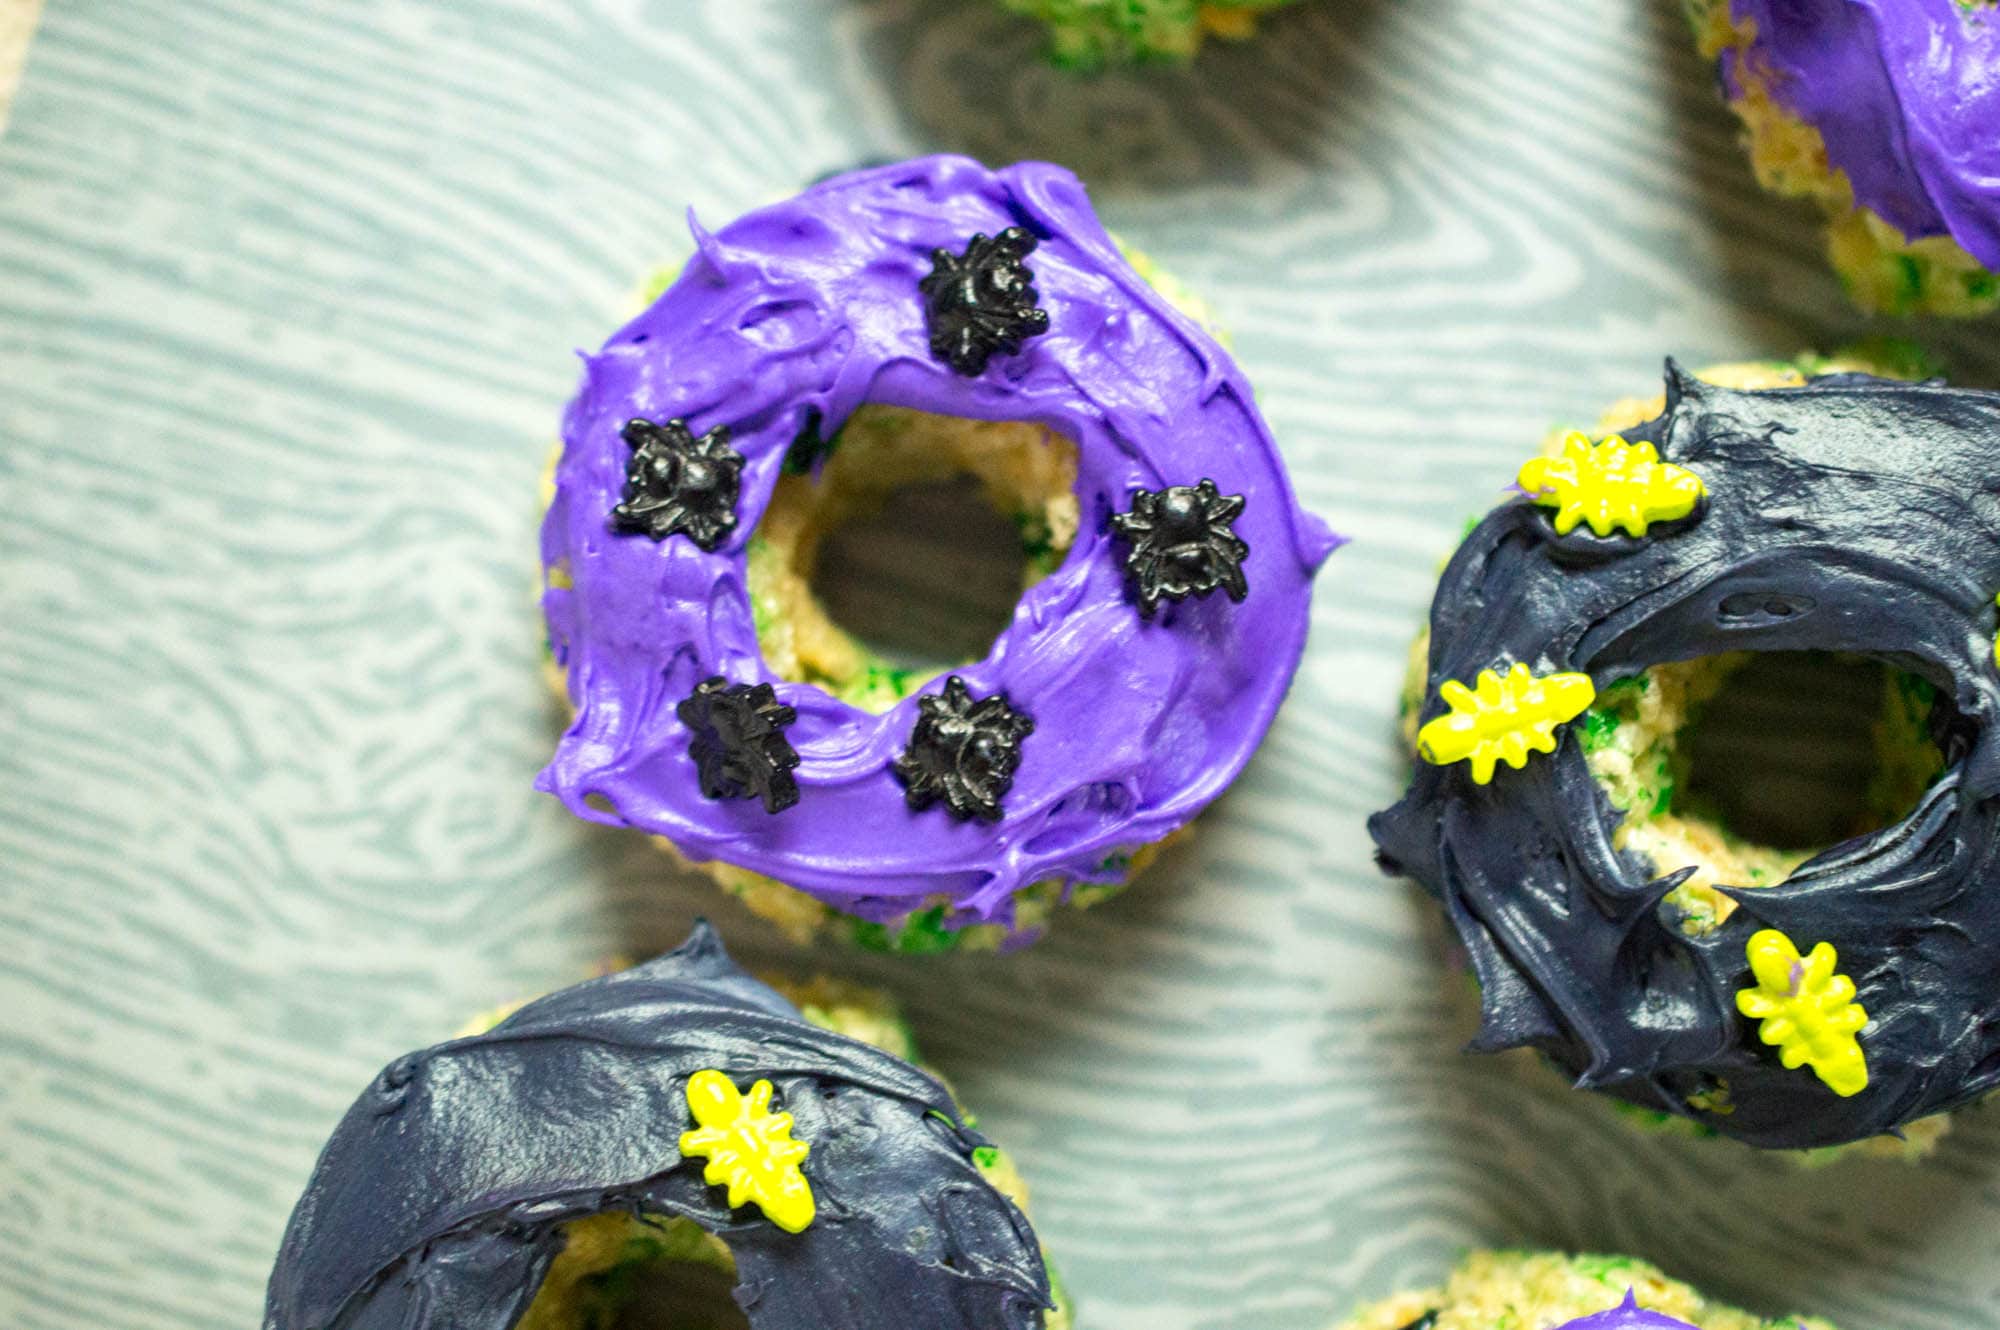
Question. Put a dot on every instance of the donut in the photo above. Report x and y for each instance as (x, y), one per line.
(1856, 989)
(1883, 113)
(1550, 1291)
(924, 318)
(676, 1143)
(1089, 34)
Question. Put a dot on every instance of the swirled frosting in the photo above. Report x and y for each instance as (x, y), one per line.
(439, 1200)
(1855, 515)
(812, 306)
(1906, 94)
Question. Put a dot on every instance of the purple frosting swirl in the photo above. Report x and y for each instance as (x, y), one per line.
(1627, 1315)
(812, 305)
(1906, 94)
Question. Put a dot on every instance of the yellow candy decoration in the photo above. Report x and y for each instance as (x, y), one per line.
(1610, 484)
(1502, 719)
(750, 1148)
(1807, 1010)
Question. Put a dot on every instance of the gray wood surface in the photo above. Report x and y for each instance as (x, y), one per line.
(288, 293)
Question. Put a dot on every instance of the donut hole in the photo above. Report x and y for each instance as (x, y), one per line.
(1786, 753)
(1744, 766)
(927, 581)
(619, 1271)
(900, 547)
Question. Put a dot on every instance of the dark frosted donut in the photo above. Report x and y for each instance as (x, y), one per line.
(594, 1126)
(1851, 514)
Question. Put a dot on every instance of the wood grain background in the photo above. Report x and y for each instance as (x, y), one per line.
(288, 294)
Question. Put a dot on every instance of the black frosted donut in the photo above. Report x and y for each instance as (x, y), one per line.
(1852, 514)
(442, 1199)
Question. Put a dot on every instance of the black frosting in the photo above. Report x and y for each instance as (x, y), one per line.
(1853, 514)
(438, 1201)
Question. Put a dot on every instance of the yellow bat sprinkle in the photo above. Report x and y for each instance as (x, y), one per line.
(1807, 1010)
(1503, 720)
(749, 1148)
(1609, 485)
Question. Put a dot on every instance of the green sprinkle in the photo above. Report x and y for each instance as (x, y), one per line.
(925, 934)
(1599, 728)
(1911, 275)
(920, 934)
(870, 936)
(1604, 1269)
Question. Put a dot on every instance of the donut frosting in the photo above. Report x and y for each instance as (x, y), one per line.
(802, 312)
(1627, 1315)
(1852, 514)
(439, 1199)
(1906, 95)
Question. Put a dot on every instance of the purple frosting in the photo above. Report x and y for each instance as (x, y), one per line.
(812, 305)
(1627, 1315)
(1906, 94)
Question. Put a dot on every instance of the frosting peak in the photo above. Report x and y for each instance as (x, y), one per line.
(1627, 1315)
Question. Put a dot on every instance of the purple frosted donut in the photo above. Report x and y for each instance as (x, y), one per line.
(1530, 1290)
(1906, 94)
(1887, 112)
(1133, 681)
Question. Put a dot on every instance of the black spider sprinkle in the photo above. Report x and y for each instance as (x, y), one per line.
(963, 750)
(982, 301)
(739, 746)
(1182, 545)
(676, 482)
